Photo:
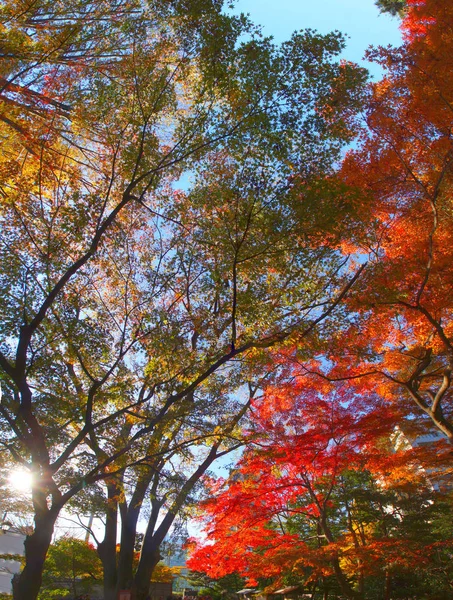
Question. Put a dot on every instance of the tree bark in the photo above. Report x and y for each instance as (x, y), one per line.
(107, 548)
(151, 557)
(28, 584)
(129, 531)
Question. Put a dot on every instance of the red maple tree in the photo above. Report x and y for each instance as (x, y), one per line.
(399, 334)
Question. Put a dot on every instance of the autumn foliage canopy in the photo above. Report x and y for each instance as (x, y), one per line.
(213, 242)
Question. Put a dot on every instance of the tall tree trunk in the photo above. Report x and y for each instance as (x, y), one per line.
(126, 557)
(128, 532)
(150, 555)
(107, 548)
(149, 558)
(28, 584)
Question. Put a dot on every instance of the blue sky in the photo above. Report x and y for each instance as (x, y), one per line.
(358, 19)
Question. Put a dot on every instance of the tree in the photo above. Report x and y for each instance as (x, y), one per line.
(72, 566)
(159, 487)
(289, 473)
(320, 500)
(397, 341)
(394, 7)
(128, 301)
(216, 589)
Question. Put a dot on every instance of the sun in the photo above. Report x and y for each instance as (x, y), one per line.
(20, 480)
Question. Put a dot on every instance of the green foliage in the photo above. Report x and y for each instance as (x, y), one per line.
(55, 594)
(394, 7)
(217, 589)
(72, 567)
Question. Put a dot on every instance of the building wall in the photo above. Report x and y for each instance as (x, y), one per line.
(160, 591)
(10, 543)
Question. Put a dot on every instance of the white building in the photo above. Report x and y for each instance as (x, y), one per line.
(11, 545)
(437, 477)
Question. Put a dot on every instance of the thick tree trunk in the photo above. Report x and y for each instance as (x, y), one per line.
(126, 557)
(129, 531)
(107, 548)
(150, 555)
(145, 569)
(28, 584)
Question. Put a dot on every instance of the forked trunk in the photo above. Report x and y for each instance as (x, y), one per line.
(143, 576)
(150, 555)
(126, 557)
(129, 519)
